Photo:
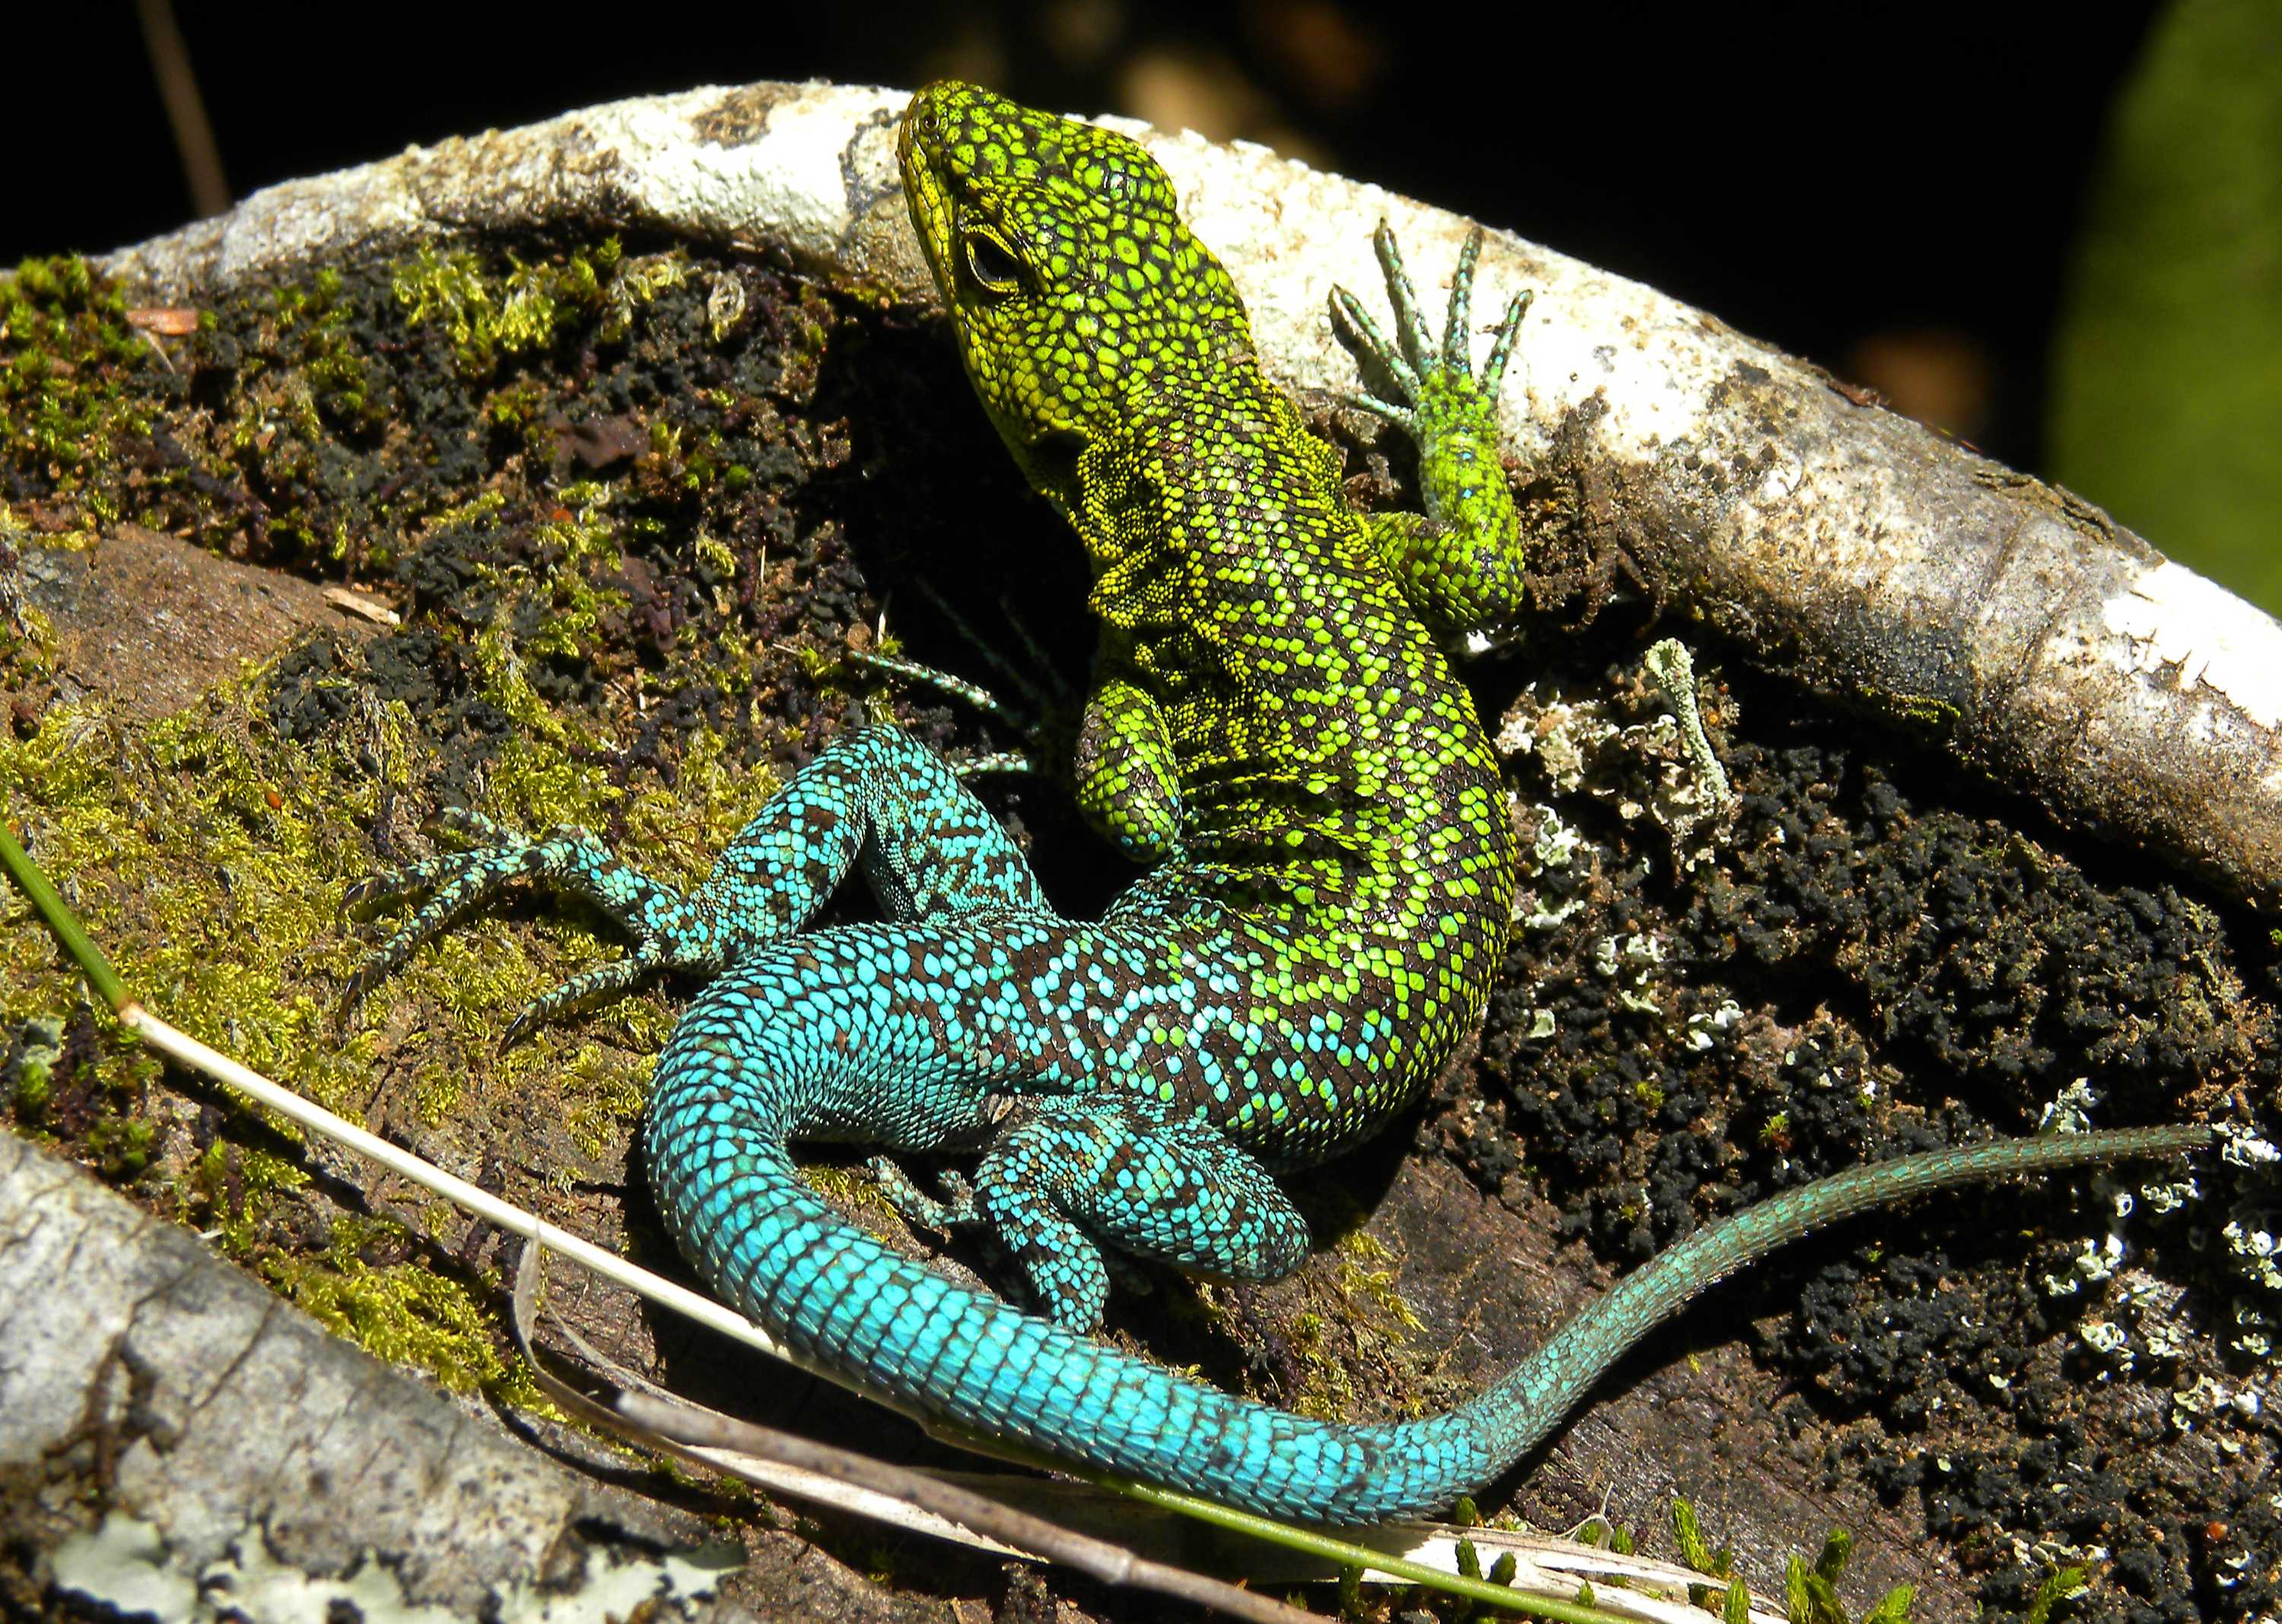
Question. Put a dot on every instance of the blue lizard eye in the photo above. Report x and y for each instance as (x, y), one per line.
(991, 263)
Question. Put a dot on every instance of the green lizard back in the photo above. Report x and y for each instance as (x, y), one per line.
(1330, 784)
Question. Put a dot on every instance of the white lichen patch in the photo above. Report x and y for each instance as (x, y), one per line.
(2259, 1250)
(2224, 1416)
(1706, 1027)
(1660, 771)
(2094, 1264)
(2071, 1111)
(1630, 960)
(1556, 868)
(1563, 737)
(2243, 1148)
(125, 1566)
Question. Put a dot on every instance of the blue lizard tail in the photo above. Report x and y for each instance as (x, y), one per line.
(726, 1109)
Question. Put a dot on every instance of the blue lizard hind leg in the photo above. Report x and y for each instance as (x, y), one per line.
(923, 1035)
(1463, 564)
(874, 798)
(1150, 1178)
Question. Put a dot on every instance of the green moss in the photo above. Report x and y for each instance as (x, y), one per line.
(849, 1187)
(178, 848)
(519, 408)
(69, 370)
(1936, 716)
(122, 1145)
(487, 316)
(312, 324)
(639, 282)
(402, 1312)
(449, 291)
(234, 1186)
(208, 851)
(1365, 1324)
(208, 856)
(30, 1078)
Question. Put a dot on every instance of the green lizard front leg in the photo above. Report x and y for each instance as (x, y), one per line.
(1463, 564)
(1128, 779)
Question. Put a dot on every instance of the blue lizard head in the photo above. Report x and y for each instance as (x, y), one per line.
(1060, 253)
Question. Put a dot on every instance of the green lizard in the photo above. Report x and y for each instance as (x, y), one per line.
(1273, 730)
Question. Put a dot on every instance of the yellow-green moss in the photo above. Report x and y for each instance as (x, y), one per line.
(208, 853)
(487, 316)
(208, 856)
(851, 1188)
(340, 380)
(67, 361)
(1365, 1324)
(1935, 715)
(183, 848)
(403, 1312)
(234, 1186)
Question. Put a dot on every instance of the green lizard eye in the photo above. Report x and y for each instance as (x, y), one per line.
(991, 263)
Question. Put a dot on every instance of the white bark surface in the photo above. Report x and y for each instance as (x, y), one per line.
(176, 1441)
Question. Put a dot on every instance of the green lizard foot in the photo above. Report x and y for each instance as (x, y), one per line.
(1462, 565)
(1435, 384)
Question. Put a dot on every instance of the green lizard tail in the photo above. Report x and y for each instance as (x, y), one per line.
(1529, 1401)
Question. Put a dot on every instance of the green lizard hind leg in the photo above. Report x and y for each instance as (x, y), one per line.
(1463, 564)
(1151, 1179)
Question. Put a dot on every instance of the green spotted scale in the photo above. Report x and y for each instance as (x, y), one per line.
(1273, 730)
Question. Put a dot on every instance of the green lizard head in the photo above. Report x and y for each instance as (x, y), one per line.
(1060, 253)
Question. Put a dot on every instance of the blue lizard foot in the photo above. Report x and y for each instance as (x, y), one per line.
(667, 932)
(1150, 1179)
(1049, 700)
(1024, 760)
(955, 1208)
(875, 796)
